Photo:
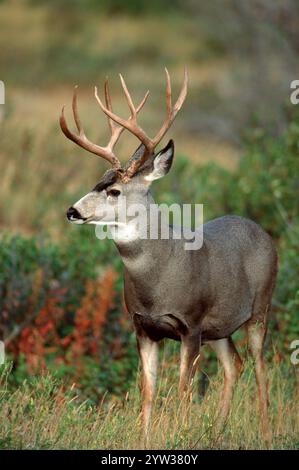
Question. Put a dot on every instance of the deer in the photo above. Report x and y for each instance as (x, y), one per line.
(196, 297)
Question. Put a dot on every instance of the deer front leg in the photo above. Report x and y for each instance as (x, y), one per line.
(148, 351)
(189, 357)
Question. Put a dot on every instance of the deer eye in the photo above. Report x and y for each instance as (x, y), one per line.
(113, 192)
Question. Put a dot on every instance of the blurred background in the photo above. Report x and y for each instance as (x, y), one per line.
(61, 307)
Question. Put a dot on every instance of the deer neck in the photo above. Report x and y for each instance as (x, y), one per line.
(140, 252)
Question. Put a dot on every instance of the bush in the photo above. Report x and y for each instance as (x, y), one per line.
(56, 304)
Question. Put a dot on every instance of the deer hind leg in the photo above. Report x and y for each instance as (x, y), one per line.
(148, 351)
(256, 337)
(232, 365)
(190, 347)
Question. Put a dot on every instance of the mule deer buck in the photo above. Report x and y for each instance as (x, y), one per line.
(192, 296)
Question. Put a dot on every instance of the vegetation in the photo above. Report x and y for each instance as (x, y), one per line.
(71, 380)
(44, 414)
(62, 306)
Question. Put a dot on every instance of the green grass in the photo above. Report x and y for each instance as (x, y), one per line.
(44, 414)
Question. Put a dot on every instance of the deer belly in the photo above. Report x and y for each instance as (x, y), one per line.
(157, 328)
(220, 324)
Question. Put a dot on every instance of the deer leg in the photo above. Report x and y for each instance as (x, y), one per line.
(232, 364)
(190, 347)
(148, 351)
(256, 337)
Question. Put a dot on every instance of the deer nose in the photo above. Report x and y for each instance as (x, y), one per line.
(73, 214)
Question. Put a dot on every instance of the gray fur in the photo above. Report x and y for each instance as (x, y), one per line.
(172, 292)
(209, 292)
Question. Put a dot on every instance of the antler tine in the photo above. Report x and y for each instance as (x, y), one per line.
(182, 96)
(168, 93)
(82, 141)
(108, 102)
(131, 123)
(75, 112)
(142, 102)
(128, 97)
(116, 130)
(171, 111)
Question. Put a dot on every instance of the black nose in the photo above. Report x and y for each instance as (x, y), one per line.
(72, 214)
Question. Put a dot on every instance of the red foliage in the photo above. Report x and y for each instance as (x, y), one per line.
(44, 334)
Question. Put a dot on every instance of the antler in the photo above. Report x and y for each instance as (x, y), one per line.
(132, 124)
(116, 130)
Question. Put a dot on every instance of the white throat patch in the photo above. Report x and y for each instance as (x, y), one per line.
(118, 231)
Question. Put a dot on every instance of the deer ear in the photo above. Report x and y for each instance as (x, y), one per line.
(161, 163)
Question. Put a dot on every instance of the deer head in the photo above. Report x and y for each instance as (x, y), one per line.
(130, 184)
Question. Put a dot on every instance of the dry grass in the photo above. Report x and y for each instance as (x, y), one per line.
(45, 415)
